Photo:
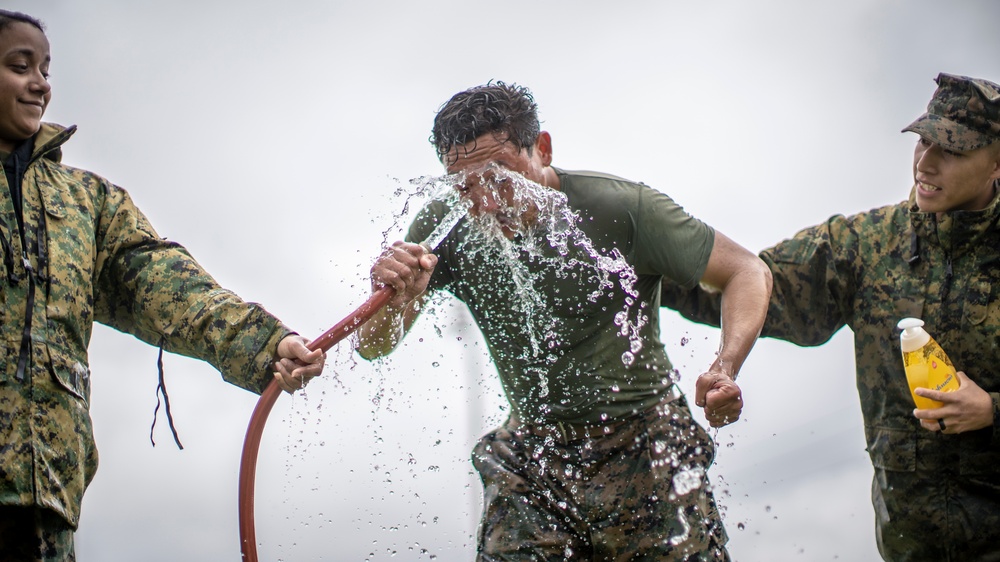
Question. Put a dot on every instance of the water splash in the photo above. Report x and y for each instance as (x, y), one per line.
(551, 242)
(550, 269)
(527, 221)
(458, 211)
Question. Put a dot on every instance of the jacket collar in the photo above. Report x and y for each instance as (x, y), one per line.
(955, 231)
(49, 141)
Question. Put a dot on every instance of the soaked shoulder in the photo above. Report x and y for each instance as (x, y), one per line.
(599, 192)
(578, 180)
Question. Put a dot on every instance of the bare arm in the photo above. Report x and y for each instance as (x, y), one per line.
(745, 282)
(407, 269)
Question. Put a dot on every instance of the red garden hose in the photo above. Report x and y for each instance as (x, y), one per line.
(251, 443)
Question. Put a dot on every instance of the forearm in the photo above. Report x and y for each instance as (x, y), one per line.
(744, 309)
(382, 333)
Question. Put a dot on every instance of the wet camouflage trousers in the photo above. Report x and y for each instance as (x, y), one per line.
(640, 493)
(936, 511)
(30, 534)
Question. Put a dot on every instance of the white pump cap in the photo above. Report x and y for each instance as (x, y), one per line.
(913, 336)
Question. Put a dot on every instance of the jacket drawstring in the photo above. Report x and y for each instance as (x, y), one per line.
(161, 389)
(34, 278)
(18, 168)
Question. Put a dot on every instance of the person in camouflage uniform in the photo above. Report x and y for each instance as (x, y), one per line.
(934, 256)
(77, 250)
(600, 458)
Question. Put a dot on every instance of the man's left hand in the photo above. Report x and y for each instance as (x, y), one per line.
(966, 409)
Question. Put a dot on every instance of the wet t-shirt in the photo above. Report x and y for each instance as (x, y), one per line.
(570, 340)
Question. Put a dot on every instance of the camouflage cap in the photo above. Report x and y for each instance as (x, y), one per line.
(963, 115)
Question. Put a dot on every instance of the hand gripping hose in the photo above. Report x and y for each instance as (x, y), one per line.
(344, 328)
(251, 443)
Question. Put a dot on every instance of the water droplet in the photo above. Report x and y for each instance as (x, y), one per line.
(687, 480)
(685, 533)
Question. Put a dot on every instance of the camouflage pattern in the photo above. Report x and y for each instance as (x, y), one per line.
(29, 534)
(639, 493)
(105, 263)
(964, 113)
(936, 496)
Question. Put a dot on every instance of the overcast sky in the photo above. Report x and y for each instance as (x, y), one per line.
(270, 138)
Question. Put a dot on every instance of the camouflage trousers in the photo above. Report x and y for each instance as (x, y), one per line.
(31, 534)
(639, 493)
(936, 511)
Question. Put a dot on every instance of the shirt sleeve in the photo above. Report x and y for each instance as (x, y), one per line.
(669, 241)
(811, 284)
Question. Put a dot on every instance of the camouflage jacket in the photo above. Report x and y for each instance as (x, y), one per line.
(91, 255)
(867, 272)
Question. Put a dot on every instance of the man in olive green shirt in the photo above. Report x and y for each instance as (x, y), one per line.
(600, 458)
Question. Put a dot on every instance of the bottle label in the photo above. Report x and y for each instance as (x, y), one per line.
(946, 383)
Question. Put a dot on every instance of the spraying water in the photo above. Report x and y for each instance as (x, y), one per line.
(536, 241)
(535, 234)
(552, 282)
(447, 224)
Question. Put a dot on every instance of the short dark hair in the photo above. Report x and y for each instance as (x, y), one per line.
(7, 18)
(507, 111)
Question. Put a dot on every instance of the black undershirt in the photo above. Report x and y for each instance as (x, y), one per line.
(14, 166)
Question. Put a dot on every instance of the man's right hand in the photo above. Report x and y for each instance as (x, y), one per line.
(721, 398)
(406, 268)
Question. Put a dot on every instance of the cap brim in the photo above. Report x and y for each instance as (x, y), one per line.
(948, 133)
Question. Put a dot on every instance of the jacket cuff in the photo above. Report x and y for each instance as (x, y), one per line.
(263, 373)
(253, 370)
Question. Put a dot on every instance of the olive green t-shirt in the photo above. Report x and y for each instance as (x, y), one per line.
(553, 319)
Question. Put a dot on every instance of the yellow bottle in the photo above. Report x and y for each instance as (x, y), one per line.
(926, 364)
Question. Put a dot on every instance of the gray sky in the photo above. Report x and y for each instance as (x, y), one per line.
(270, 141)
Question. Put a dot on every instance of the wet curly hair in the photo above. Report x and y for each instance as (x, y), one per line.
(508, 111)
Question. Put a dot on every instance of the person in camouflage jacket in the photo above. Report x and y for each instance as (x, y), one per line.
(935, 256)
(75, 250)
